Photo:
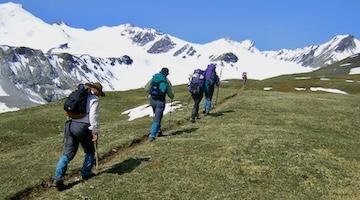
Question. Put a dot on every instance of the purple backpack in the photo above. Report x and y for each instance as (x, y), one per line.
(196, 84)
(209, 71)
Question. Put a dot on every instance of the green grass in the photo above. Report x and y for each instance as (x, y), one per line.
(279, 144)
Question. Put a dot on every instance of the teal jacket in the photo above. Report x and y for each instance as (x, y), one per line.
(159, 77)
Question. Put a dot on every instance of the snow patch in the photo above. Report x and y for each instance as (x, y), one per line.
(355, 70)
(349, 81)
(300, 88)
(346, 64)
(2, 92)
(314, 89)
(302, 78)
(4, 108)
(146, 110)
(268, 88)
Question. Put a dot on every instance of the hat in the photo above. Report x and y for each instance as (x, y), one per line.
(164, 71)
(98, 86)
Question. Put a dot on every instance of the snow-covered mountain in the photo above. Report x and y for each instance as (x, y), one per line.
(338, 48)
(41, 62)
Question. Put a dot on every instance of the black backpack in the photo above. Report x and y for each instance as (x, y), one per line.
(158, 85)
(75, 104)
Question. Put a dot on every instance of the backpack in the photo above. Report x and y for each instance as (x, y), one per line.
(244, 76)
(75, 104)
(158, 85)
(209, 74)
(197, 80)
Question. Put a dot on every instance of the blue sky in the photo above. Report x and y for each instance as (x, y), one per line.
(270, 24)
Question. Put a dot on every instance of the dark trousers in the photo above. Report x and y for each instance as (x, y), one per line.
(209, 93)
(197, 98)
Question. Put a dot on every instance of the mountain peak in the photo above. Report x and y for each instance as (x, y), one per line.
(345, 43)
(59, 22)
(10, 5)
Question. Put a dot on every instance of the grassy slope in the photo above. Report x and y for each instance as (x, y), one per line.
(281, 144)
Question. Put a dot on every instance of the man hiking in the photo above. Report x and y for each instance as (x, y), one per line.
(211, 79)
(244, 77)
(82, 131)
(196, 89)
(158, 87)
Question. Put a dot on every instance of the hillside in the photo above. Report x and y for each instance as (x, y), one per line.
(282, 143)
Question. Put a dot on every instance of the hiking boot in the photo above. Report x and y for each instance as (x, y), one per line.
(59, 184)
(151, 138)
(159, 133)
(204, 111)
(88, 176)
(192, 120)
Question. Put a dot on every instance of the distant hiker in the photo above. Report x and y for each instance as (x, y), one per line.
(244, 77)
(211, 79)
(158, 87)
(196, 89)
(82, 131)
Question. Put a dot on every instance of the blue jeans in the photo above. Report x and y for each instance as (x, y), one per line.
(158, 106)
(209, 92)
(61, 167)
(76, 133)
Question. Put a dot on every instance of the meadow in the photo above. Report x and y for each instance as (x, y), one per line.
(257, 144)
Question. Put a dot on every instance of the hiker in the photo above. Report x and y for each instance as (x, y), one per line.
(196, 89)
(244, 77)
(211, 79)
(158, 87)
(82, 131)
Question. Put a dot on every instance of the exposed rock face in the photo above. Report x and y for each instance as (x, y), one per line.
(180, 51)
(32, 77)
(123, 60)
(68, 62)
(226, 57)
(345, 44)
(190, 51)
(143, 38)
(162, 46)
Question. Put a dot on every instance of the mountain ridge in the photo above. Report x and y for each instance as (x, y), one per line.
(42, 62)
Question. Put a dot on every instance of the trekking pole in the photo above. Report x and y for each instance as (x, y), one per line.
(217, 92)
(96, 156)
(170, 117)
